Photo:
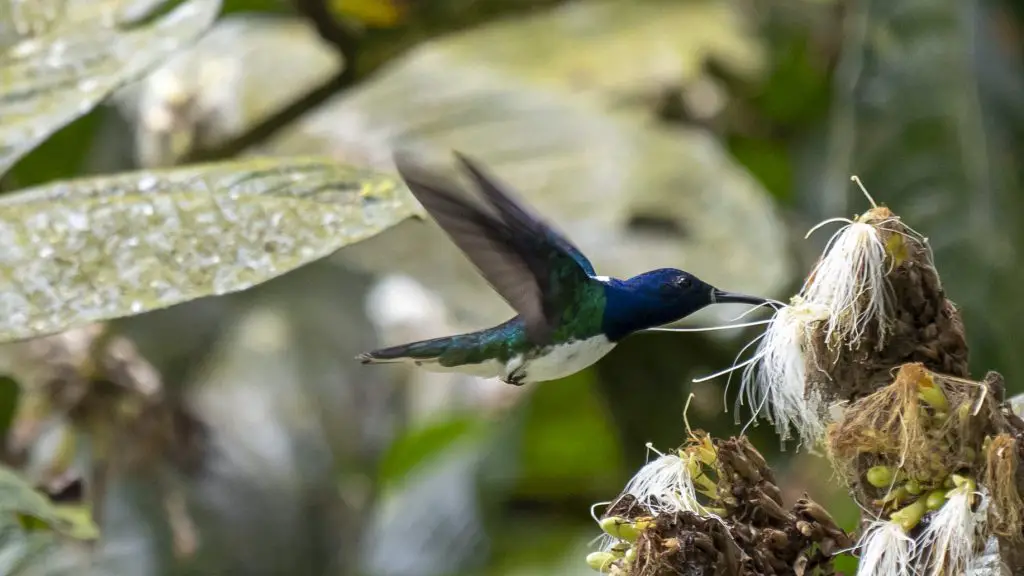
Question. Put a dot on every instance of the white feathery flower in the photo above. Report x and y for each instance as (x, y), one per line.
(665, 486)
(850, 280)
(886, 550)
(773, 379)
(947, 545)
(777, 381)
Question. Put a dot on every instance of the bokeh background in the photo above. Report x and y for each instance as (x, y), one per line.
(708, 135)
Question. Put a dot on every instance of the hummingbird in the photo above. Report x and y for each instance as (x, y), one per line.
(568, 317)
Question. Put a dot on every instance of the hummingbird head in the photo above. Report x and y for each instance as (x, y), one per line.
(661, 297)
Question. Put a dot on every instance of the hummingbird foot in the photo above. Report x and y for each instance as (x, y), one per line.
(516, 377)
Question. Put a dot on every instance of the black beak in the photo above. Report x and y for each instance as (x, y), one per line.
(723, 297)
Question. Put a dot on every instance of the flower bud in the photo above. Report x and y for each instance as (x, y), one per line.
(618, 527)
(881, 476)
(908, 516)
(601, 561)
(935, 499)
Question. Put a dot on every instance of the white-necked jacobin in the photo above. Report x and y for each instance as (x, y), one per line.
(568, 316)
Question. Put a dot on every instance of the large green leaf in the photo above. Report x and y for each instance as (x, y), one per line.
(85, 53)
(94, 249)
(928, 114)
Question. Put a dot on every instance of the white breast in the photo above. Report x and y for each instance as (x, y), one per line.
(562, 360)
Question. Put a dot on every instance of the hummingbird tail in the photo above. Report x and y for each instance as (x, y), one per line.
(425, 351)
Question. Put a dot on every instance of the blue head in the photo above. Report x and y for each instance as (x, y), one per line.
(660, 297)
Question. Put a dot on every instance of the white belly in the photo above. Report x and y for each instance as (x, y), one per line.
(554, 363)
(560, 361)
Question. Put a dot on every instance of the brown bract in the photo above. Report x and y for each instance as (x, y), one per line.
(1003, 479)
(756, 534)
(925, 327)
(911, 427)
(925, 425)
(910, 412)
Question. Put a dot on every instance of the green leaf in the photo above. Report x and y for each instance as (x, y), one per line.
(421, 445)
(77, 521)
(18, 500)
(49, 79)
(928, 114)
(94, 249)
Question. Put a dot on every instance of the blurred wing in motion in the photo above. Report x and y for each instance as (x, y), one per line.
(530, 265)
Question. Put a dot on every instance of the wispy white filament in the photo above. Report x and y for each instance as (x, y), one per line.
(851, 281)
(777, 382)
(947, 544)
(709, 328)
(775, 304)
(885, 550)
(773, 379)
(664, 486)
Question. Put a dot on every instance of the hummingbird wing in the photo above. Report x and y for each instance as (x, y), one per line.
(530, 265)
(512, 209)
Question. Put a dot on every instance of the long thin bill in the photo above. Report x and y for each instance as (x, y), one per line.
(723, 297)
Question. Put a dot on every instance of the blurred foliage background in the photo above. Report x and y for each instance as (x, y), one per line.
(702, 134)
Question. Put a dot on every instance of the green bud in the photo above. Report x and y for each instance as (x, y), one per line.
(898, 495)
(934, 397)
(913, 487)
(631, 555)
(619, 550)
(896, 248)
(881, 476)
(969, 485)
(964, 411)
(908, 516)
(707, 486)
(700, 479)
(935, 499)
(707, 455)
(628, 533)
(601, 561)
(618, 527)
